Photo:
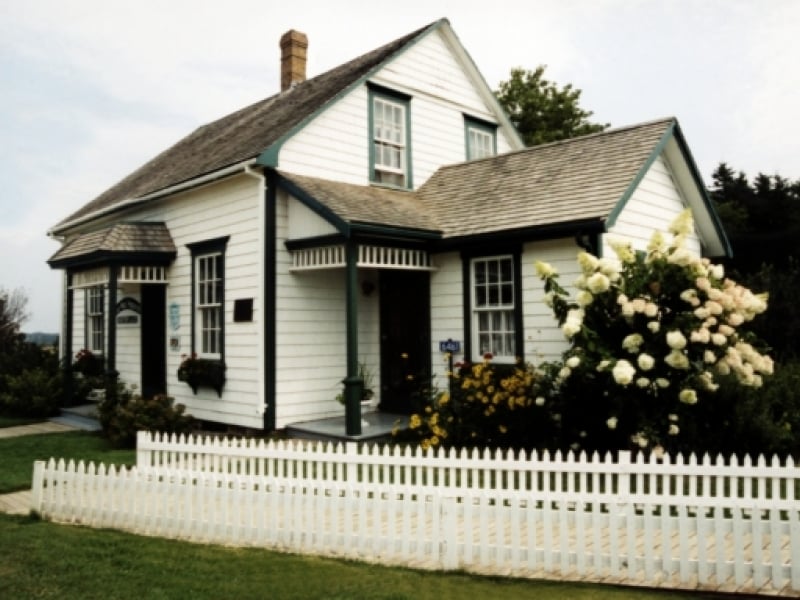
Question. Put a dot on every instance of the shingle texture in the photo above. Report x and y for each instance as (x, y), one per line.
(580, 179)
(367, 204)
(122, 238)
(242, 135)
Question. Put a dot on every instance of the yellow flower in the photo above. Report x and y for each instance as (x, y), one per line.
(414, 422)
(502, 428)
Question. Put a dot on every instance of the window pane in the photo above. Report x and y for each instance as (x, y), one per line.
(507, 294)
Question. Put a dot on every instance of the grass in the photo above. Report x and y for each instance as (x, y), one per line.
(19, 453)
(45, 560)
(16, 421)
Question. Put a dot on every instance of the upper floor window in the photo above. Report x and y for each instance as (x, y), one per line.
(493, 305)
(208, 275)
(95, 319)
(390, 151)
(481, 138)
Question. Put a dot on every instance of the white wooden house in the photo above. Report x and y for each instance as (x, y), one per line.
(360, 217)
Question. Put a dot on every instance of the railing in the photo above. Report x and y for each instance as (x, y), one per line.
(709, 524)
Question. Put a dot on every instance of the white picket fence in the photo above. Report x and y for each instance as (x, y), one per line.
(709, 524)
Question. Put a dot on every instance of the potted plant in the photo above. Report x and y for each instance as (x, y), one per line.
(368, 392)
(197, 372)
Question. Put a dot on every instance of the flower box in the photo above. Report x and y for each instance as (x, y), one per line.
(202, 372)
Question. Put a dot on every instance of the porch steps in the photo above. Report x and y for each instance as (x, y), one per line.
(82, 417)
(375, 427)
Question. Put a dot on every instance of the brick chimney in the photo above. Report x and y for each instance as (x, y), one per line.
(293, 58)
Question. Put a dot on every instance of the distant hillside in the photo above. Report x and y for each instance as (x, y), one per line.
(43, 339)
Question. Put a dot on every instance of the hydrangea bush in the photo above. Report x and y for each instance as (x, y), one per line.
(651, 335)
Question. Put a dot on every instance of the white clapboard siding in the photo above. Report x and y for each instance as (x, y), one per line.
(447, 311)
(652, 207)
(228, 208)
(335, 144)
(721, 524)
(544, 340)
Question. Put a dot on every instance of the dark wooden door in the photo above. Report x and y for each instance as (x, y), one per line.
(405, 338)
(154, 340)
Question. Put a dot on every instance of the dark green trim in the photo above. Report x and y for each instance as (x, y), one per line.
(349, 229)
(197, 249)
(315, 205)
(270, 300)
(106, 257)
(485, 242)
(314, 242)
(467, 256)
(626, 196)
(66, 357)
(701, 187)
(471, 122)
(376, 91)
(353, 384)
(111, 351)
(271, 155)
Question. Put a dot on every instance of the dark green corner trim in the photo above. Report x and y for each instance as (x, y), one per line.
(111, 320)
(315, 205)
(656, 152)
(271, 155)
(269, 289)
(698, 180)
(466, 303)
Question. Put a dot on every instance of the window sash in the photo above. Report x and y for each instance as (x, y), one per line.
(493, 306)
(208, 302)
(481, 143)
(95, 319)
(389, 141)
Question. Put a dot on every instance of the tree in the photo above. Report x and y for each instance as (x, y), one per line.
(541, 111)
(12, 315)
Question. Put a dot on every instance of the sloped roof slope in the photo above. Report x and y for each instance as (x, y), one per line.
(363, 205)
(579, 179)
(150, 239)
(242, 135)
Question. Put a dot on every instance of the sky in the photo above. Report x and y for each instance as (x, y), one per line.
(92, 89)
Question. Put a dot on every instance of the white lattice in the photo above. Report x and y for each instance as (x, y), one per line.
(377, 257)
(130, 274)
(90, 278)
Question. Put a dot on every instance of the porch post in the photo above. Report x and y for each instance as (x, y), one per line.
(66, 340)
(111, 322)
(353, 384)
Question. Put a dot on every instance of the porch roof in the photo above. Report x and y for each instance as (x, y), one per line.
(123, 242)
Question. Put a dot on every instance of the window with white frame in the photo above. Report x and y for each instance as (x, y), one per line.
(389, 137)
(208, 303)
(481, 138)
(95, 319)
(493, 307)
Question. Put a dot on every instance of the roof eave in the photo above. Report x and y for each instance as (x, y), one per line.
(532, 233)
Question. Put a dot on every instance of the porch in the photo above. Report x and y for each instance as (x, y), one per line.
(375, 426)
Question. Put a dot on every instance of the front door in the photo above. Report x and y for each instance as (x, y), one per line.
(405, 338)
(154, 340)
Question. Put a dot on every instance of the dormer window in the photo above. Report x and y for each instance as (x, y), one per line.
(390, 152)
(481, 138)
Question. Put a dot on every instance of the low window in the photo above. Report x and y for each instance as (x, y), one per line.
(208, 274)
(95, 319)
(493, 305)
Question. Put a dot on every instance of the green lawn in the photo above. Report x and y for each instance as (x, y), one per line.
(15, 421)
(17, 455)
(44, 560)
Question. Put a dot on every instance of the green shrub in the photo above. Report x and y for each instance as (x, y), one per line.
(34, 392)
(123, 414)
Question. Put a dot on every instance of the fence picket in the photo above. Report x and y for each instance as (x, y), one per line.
(571, 514)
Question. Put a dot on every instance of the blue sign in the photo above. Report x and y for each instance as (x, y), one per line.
(449, 346)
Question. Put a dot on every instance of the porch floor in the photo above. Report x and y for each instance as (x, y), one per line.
(375, 426)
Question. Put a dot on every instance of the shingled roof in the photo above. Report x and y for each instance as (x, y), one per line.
(580, 179)
(147, 241)
(242, 135)
(577, 181)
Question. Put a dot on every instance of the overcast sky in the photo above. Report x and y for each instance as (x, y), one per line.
(91, 89)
